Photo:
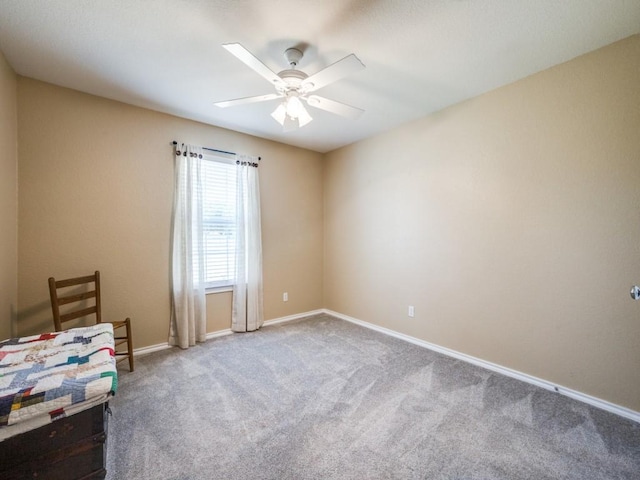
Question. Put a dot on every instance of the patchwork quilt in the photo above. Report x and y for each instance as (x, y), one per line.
(54, 375)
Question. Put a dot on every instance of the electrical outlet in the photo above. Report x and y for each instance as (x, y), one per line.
(411, 311)
(285, 297)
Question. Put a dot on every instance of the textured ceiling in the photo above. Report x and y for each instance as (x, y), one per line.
(421, 55)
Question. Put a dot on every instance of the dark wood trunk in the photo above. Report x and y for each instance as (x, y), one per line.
(71, 448)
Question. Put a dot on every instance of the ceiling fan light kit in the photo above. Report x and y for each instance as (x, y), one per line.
(294, 86)
(291, 114)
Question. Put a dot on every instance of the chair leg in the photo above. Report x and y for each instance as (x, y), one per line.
(129, 344)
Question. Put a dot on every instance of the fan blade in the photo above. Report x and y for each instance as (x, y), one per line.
(252, 62)
(334, 107)
(348, 65)
(245, 100)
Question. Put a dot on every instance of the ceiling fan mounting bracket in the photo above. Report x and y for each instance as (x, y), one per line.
(293, 56)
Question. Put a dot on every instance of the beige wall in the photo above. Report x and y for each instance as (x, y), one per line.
(8, 200)
(96, 191)
(511, 222)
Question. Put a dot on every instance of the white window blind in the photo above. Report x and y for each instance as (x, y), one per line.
(219, 220)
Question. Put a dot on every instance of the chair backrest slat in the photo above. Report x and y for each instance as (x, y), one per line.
(70, 282)
(76, 298)
(77, 314)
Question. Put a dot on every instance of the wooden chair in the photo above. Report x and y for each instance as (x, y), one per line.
(81, 296)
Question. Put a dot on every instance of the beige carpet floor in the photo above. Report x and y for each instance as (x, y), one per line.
(321, 398)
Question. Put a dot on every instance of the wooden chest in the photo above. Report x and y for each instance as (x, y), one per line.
(71, 448)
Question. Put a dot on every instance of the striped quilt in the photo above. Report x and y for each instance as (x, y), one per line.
(50, 376)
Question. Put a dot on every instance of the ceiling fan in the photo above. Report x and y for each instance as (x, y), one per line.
(295, 86)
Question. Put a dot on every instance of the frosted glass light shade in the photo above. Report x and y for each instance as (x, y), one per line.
(291, 114)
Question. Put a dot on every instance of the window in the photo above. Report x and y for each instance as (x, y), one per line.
(219, 220)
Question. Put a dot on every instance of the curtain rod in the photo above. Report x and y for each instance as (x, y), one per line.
(214, 150)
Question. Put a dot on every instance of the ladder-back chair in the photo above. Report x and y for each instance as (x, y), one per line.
(81, 296)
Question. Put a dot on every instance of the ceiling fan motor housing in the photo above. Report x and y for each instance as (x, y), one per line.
(293, 79)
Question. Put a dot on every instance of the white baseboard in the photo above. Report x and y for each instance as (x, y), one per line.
(137, 352)
(296, 316)
(219, 333)
(582, 397)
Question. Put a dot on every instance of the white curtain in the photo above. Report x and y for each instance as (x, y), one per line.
(247, 290)
(188, 310)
